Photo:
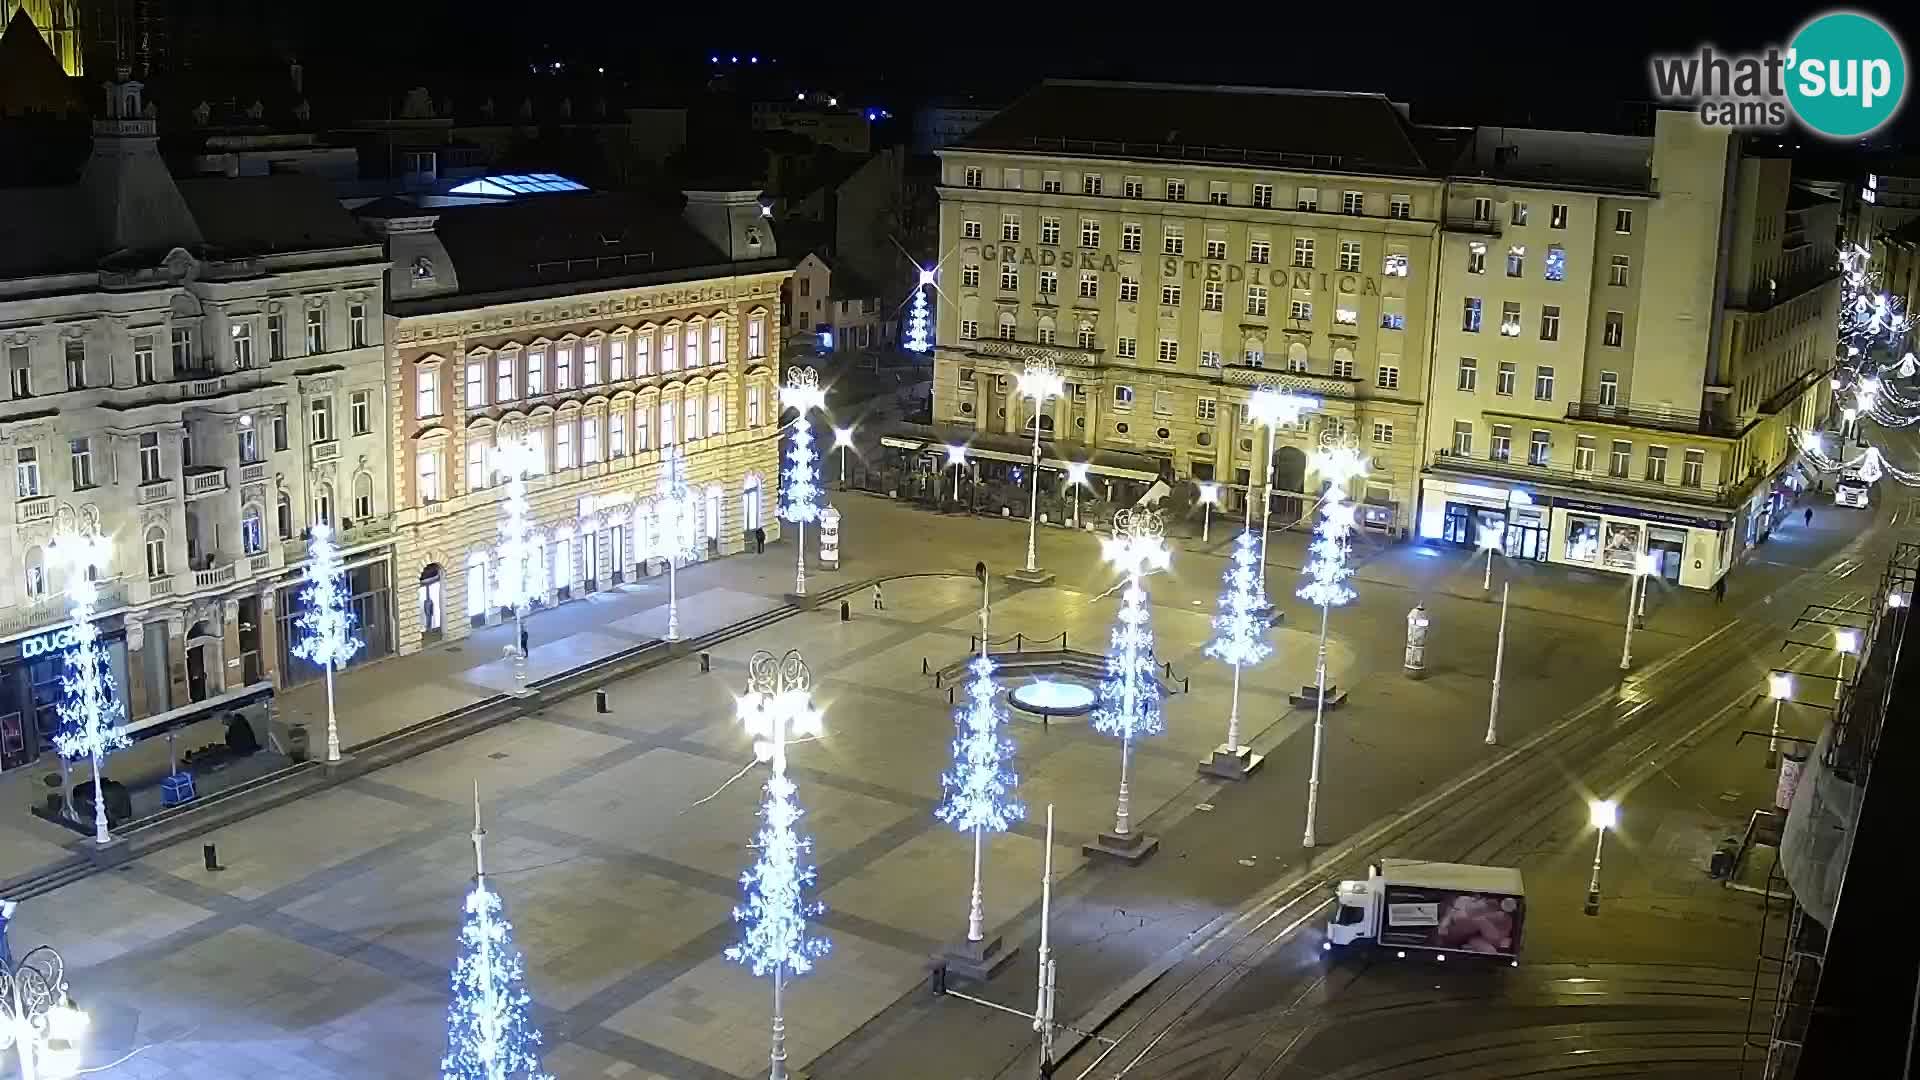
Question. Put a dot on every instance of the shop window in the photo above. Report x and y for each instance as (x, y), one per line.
(1583, 538)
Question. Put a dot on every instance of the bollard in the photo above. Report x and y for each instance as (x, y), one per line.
(211, 856)
(1186, 685)
(949, 695)
(600, 702)
(846, 613)
(1019, 642)
(936, 680)
(706, 662)
(924, 669)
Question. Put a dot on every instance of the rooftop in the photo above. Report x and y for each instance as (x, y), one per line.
(1308, 129)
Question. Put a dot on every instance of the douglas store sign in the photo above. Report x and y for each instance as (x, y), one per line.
(48, 643)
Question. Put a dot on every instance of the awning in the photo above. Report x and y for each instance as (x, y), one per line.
(194, 712)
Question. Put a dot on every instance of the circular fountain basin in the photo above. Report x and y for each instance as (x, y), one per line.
(1053, 697)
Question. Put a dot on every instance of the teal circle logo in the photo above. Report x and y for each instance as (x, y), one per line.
(1846, 74)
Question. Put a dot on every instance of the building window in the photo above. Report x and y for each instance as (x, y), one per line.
(1483, 209)
(1086, 337)
(316, 331)
(1260, 251)
(537, 372)
(1500, 446)
(276, 337)
(1049, 283)
(1170, 295)
(1263, 196)
(1556, 263)
(1346, 316)
(969, 329)
(1476, 257)
(1623, 221)
(1134, 188)
(669, 423)
(1089, 285)
(1387, 377)
(240, 337)
(1216, 249)
(692, 358)
(1123, 397)
(504, 389)
(1469, 378)
(1615, 330)
(1129, 291)
(26, 472)
(1692, 465)
(1509, 319)
(1303, 252)
(76, 355)
(143, 366)
(1050, 230)
(563, 443)
(1619, 270)
(1350, 256)
(1519, 213)
(283, 516)
(1044, 333)
(1550, 322)
(1352, 202)
(1543, 384)
(1050, 184)
(1504, 379)
(1210, 358)
(320, 420)
(426, 394)
(1125, 348)
(1307, 198)
(477, 471)
(970, 276)
(1130, 236)
(427, 473)
(643, 353)
(181, 342)
(82, 456)
(1609, 388)
(617, 356)
(617, 433)
(1010, 228)
(590, 361)
(1089, 233)
(642, 428)
(1217, 194)
(969, 230)
(1622, 458)
(357, 325)
(1382, 433)
(476, 383)
(1215, 297)
(1009, 277)
(1169, 351)
(1256, 299)
(156, 552)
(1006, 327)
(1559, 220)
(1393, 320)
(1656, 464)
(149, 457)
(1399, 206)
(1470, 315)
(1395, 264)
(1301, 310)
(1583, 453)
(1342, 365)
(1173, 241)
(360, 410)
(1176, 191)
(1516, 260)
(1090, 184)
(1462, 438)
(1206, 409)
(280, 442)
(1540, 450)
(974, 176)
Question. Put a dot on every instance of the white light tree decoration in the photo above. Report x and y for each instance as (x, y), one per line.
(1271, 408)
(676, 535)
(1338, 462)
(802, 488)
(1240, 640)
(917, 339)
(326, 626)
(778, 705)
(1129, 704)
(489, 1034)
(980, 786)
(92, 716)
(516, 459)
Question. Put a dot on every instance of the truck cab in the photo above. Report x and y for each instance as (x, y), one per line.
(1352, 919)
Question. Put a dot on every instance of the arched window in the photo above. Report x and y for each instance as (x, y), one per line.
(1006, 326)
(477, 585)
(1296, 356)
(156, 552)
(363, 495)
(253, 529)
(750, 505)
(323, 504)
(36, 573)
(283, 515)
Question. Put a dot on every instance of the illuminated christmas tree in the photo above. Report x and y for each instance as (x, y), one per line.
(1239, 631)
(91, 716)
(917, 320)
(489, 1034)
(326, 625)
(980, 785)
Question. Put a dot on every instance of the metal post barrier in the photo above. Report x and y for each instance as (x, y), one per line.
(924, 669)
(600, 702)
(706, 662)
(212, 857)
(949, 695)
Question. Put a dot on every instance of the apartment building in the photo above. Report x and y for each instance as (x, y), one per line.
(193, 370)
(1172, 248)
(1627, 328)
(601, 330)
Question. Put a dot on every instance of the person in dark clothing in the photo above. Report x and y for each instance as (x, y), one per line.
(523, 641)
(1720, 590)
(760, 541)
(1809, 517)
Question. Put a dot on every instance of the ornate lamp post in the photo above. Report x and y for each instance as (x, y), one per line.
(1076, 479)
(802, 393)
(956, 457)
(1209, 498)
(1040, 381)
(676, 529)
(1846, 643)
(1129, 694)
(1338, 461)
(42, 1023)
(842, 439)
(516, 459)
(1643, 564)
(1780, 689)
(1270, 407)
(1490, 540)
(1603, 814)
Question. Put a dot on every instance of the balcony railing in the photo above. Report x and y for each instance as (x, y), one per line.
(160, 586)
(1293, 382)
(1650, 416)
(260, 563)
(325, 451)
(362, 531)
(216, 577)
(207, 387)
(52, 609)
(1469, 223)
(205, 480)
(1705, 494)
(253, 473)
(35, 509)
(155, 491)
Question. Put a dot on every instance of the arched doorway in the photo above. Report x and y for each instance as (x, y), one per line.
(203, 661)
(1289, 482)
(430, 601)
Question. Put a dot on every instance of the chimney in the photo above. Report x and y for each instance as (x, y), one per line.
(732, 221)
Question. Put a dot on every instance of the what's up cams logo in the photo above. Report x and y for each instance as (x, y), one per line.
(1844, 75)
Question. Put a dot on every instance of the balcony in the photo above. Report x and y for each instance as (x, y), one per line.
(159, 587)
(253, 472)
(363, 531)
(1467, 223)
(1293, 382)
(216, 577)
(1654, 417)
(31, 510)
(203, 480)
(52, 610)
(260, 563)
(155, 491)
(1714, 495)
(324, 451)
(204, 385)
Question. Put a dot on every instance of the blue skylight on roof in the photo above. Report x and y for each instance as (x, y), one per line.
(507, 185)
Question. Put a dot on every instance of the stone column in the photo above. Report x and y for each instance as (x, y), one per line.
(139, 701)
(229, 677)
(177, 656)
(269, 637)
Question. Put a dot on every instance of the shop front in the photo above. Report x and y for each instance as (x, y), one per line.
(1689, 550)
(1460, 513)
(31, 670)
(370, 586)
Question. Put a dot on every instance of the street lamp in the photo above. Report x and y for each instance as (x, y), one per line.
(802, 393)
(516, 459)
(1490, 537)
(1846, 643)
(956, 457)
(1209, 496)
(1270, 407)
(1499, 658)
(1643, 565)
(41, 1022)
(676, 531)
(1896, 600)
(1603, 814)
(1077, 479)
(1039, 381)
(843, 438)
(1129, 698)
(1780, 689)
(1338, 462)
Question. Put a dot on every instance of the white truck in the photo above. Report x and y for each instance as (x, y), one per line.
(1446, 909)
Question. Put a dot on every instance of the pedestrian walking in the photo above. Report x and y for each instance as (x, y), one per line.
(523, 640)
(1809, 517)
(1720, 590)
(879, 603)
(759, 541)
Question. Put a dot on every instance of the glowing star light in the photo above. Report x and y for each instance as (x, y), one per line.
(326, 624)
